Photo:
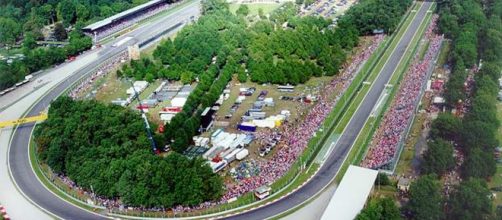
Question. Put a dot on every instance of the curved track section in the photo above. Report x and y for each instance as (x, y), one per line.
(23, 175)
(18, 154)
(335, 160)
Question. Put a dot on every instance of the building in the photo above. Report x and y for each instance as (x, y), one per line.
(350, 196)
(121, 17)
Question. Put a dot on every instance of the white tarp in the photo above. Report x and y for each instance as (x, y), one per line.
(178, 102)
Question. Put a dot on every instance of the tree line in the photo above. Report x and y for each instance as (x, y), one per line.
(105, 148)
(370, 15)
(475, 29)
(37, 58)
(24, 21)
(93, 143)
(475, 133)
(280, 49)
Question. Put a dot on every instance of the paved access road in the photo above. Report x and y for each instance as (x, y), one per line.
(17, 159)
(335, 160)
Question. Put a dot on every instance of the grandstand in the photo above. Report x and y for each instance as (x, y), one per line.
(125, 19)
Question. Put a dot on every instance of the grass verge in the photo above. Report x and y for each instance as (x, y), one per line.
(296, 177)
(363, 139)
(58, 188)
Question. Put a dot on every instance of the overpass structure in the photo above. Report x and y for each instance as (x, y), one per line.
(29, 185)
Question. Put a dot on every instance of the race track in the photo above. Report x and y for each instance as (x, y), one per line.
(22, 173)
(335, 160)
(18, 157)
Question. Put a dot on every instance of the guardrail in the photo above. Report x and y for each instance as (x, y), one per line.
(402, 140)
(306, 159)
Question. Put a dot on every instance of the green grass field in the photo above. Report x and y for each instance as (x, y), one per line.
(364, 138)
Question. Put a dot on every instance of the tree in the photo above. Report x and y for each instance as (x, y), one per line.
(479, 164)
(382, 179)
(438, 158)
(261, 14)
(186, 77)
(82, 12)
(242, 10)
(109, 151)
(425, 199)
(66, 12)
(446, 126)
(380, 209)
(9, 30)
(29, 41)
(60, 32)
(470, 200)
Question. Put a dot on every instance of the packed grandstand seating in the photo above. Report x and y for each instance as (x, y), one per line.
(127, 21)
(396, 120)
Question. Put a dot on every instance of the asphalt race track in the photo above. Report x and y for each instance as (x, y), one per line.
(335, 160)
(29, 184)
(18, 157)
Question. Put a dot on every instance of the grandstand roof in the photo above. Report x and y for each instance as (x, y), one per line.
(351, 194)
(127, 12)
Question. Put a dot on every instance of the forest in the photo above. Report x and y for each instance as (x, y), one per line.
(222, 44)
(105, 147)
(475, 29)
(93, 143)
(21, 24)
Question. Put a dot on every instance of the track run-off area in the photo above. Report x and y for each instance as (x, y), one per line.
(19, 162)
(25, 196)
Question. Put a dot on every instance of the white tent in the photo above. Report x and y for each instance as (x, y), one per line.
(178, 102)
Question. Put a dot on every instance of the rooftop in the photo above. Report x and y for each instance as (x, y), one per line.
(111, 19)
(351, 194)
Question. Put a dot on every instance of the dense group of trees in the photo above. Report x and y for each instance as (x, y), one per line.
(380, 209)
(31, 15)
(280, 49)
(105, 147)
(426, 201)
(23, 21)
(475, 28)
(469, 200)
(370, 15)
(37, 58)
(476, 35)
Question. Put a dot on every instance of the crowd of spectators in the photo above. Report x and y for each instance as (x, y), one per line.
(453, 178)
(3, 211)
(128, 22)
(293, 136)
(464, 105)
(102, 70)
(396, 120)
